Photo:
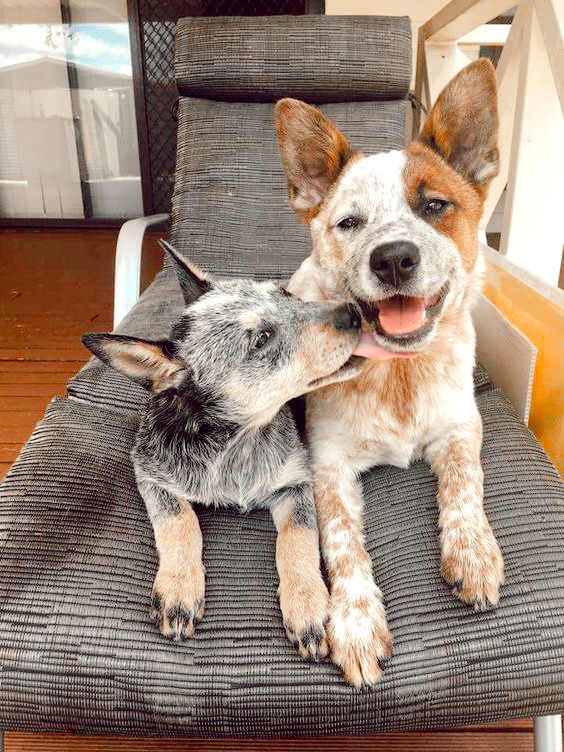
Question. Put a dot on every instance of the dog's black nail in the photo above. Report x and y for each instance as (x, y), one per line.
(311, 635)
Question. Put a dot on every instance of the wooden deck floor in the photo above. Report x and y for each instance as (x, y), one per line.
(53, 287)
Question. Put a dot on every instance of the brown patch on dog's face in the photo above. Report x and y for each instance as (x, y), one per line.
(429, 180)
(313, 153)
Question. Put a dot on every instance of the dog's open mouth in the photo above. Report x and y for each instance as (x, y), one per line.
(400, 319)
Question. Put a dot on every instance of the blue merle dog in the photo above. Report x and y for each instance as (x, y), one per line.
(218, 431)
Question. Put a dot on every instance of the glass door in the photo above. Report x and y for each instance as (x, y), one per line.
(68, 137)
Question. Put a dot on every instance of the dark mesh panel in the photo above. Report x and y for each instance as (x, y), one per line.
(157, 22)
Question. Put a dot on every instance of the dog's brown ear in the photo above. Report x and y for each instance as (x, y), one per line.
(151, 364)
(313, 153)
(463, 123)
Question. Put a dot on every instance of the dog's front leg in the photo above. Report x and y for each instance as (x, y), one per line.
(179, 587)
(304, 600)
(358, 631)
(470, 557)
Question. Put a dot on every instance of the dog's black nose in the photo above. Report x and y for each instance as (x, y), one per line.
(395, 262)
(346, 317)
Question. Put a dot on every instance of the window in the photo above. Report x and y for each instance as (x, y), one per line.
(68, 137)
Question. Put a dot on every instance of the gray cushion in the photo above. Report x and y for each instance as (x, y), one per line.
(263, 59)
(230, 210)
(78, 653)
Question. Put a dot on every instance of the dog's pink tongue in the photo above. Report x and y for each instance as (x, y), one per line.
(399, 315)
(367, 348)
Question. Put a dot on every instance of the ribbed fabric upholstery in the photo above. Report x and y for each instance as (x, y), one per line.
(78, 652)
(326, 59)
(77, 560)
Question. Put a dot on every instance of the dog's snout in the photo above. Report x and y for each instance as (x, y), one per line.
(394, 263)
(346, 317)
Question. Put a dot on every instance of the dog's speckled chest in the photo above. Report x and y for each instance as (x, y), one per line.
(223, 465)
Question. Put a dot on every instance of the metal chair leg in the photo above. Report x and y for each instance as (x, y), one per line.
(548, 733)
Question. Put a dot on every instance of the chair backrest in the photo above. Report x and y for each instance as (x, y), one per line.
(230, 212)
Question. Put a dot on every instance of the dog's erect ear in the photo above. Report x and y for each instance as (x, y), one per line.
(151, 364)
(463, 123)
(192, 282)
(313, 153)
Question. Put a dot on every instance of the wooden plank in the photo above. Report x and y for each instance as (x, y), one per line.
(538, 311)
(16, 419)
(415, 742)
(442, 62)
(456, 19)
(508, 356)
(9, 452)
(4, 467)
(507, 74)
(27, 377)
(460, 17)
(490, 35)
(12, 403)
(45, 354)
(37, 389)
(17, 368)
(533, 223)
(19, 433)
(551, 18)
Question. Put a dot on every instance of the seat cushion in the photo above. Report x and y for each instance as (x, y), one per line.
(317, 58)
(78, 652)
(230, 211)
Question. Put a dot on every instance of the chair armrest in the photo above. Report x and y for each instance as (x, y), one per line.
(127, 275)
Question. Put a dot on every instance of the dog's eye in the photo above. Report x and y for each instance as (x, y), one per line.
(435, 206)
(262, 338)
(348, 223)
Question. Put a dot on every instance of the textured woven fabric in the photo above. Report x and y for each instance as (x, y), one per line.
(78, 652)
(230, 210)
(316, 58)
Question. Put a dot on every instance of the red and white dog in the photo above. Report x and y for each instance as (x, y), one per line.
(397, 233)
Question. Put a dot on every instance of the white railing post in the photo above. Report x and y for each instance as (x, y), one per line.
(533, 222)
(548, 733)
(507, 74)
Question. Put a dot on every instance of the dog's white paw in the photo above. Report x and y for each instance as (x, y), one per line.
(359, 638)
(472, 562)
